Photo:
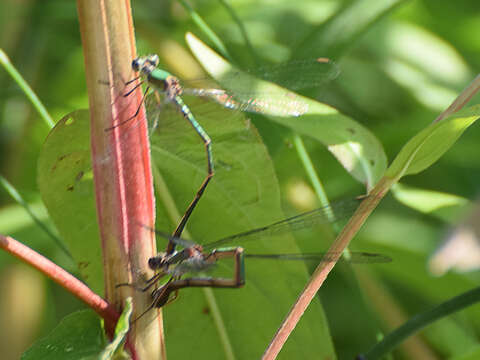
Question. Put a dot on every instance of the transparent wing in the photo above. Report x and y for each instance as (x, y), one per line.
(329, 214)
(192, 266)
(199, 265)
(300, 74)
(270, 103)
(354, 257)
(332, 213)
(177, 240)
(293, 75)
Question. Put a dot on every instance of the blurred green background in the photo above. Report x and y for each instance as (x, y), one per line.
(396, 77)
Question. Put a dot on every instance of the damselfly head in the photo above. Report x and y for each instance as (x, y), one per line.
(158, 261)
(145, 64)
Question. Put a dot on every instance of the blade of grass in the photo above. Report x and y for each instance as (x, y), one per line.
(312, 174)
(19, 199)
(420, 321)
(5, 61)
(242, 29)
(209, 33)
(341, 32)
(37, 104)
(316, 182)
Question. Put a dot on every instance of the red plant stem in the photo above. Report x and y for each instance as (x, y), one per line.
(121, 165)
(62, 278)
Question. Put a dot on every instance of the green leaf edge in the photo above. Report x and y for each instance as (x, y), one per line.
(414, 156)
(366, 159)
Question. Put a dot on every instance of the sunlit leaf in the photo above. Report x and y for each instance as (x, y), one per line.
(430, 144)
(352, 144)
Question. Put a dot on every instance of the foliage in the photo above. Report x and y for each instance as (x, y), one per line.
(402, 63)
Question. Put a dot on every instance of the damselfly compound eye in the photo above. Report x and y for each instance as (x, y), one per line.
(136, 64)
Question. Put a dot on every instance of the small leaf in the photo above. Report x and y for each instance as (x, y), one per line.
(78, 336)
(443, 205)
(121, 330)
(430, 144)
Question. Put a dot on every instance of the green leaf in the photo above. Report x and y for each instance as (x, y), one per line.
(445, 206)
(471, 354)
(430, 144)
(29, 93)
(78, 336)
(65, 181)
(243, 194)
(121, 330)
(354, 146)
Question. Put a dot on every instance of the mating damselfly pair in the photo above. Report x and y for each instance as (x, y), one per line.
(194, 258)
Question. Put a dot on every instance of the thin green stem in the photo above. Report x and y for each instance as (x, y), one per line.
(220, 324)
(242, 29)
(197, 19)
(316, 182)
(37, 104)
(19, 199)
(420, 321)
(166, 198)
(311, 173)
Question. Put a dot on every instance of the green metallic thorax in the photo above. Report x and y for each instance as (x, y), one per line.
(157, 78)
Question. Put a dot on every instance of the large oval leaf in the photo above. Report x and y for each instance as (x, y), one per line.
(65, 180)
(243, 194)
